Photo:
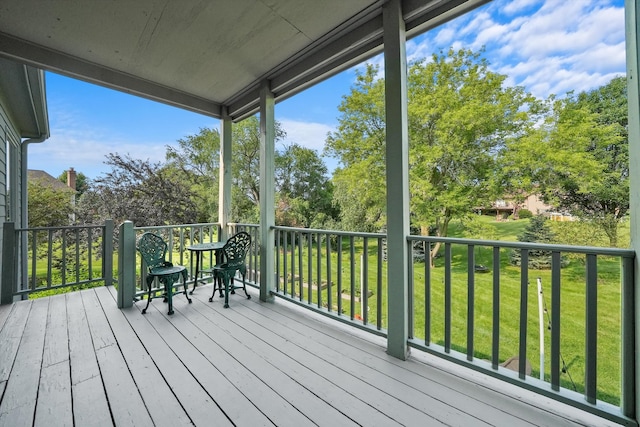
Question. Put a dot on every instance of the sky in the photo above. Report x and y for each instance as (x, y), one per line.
(546, 46)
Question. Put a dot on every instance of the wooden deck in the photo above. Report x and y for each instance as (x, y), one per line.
(76, 359)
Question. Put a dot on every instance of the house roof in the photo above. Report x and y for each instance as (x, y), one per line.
(22, 87)
(209, 57)
(47, 180)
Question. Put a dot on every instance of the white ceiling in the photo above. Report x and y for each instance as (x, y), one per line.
(205, 55)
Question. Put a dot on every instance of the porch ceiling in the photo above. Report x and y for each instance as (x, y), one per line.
(203, 55)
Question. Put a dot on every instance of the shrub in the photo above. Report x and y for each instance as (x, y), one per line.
(525, 213)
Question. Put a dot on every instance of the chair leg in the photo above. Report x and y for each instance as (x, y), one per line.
(149, 282)
(185, 286)
(226, 291)
(244, 286)
(216, 286)
(168, 287)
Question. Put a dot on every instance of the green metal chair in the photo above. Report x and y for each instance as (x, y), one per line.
(153, 250)
(235, 251)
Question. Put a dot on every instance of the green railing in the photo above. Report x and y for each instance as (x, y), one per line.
(473, 307)
(46, 259)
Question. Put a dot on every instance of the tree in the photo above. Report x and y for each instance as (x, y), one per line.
(583, 156)
(304, 189)
(47, 206)
(460, 115)
(197, 161)
(535, 232)
(82, 182)
(146, 193)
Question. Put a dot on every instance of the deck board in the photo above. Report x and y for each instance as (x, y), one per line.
(77, 359)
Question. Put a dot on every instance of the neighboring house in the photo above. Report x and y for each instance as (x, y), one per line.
(505, 207)
(23, 120)
(43, 178)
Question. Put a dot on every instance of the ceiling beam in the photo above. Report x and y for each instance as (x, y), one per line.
(37, 56)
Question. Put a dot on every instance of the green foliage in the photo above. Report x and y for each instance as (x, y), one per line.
(146, 193)
(304, 190)
(525, 213)
(82, 183)
(584, 146)
(48, 207)
(537, 231)
(460, 114)
(196, 160)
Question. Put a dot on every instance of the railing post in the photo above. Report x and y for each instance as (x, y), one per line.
(126, 265)
(107, 253)
(9, 260)
(632, 37)
(397, 176)
(628, 400)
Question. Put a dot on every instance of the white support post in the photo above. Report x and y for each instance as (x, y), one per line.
(267, 192)
(226, 174)
(397, 153)
(631, 396)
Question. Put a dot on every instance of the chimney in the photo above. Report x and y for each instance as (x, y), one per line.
(71, 178)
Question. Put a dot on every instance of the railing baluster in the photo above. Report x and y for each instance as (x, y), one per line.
(411, 314)
(470, 299)
(49, 260)
(495, 342)
(524, 293)
(278, 235)
(319, 271)
(379, 287)
(90, 253)
(353, 277)
(364, 286)
(339, 268)
(427, 292)
(285, 257)
(329, 275)
(555, 319)
(77, 237)
(447, 297)
(591, 328)
(309, 265)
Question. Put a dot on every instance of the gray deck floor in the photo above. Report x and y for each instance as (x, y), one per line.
(76, 359)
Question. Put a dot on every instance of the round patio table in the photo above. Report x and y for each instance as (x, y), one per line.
(198, 249)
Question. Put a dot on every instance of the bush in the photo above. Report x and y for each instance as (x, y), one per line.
(525, 213)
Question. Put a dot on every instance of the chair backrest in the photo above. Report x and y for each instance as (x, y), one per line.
(236, 248)
(153, 249)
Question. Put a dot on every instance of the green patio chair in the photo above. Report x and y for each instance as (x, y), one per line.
(153, 250)
(235, 251)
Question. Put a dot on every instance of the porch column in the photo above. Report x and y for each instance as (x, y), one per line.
(630, 403)
(267, 191)
(397, 152)
(224, 194)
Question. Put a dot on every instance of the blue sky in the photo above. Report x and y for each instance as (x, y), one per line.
(547, 46)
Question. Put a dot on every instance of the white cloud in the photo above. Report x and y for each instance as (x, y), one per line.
(548, 46)
(307, 134)
(86, 152)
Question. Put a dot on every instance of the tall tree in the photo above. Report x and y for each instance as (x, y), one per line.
(47, 206)
(146, 193)
(304, 189)
(460, 114)
(197, 160)
(246, 168)
(584, 147)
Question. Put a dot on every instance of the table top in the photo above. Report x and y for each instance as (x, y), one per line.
(206, 246)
